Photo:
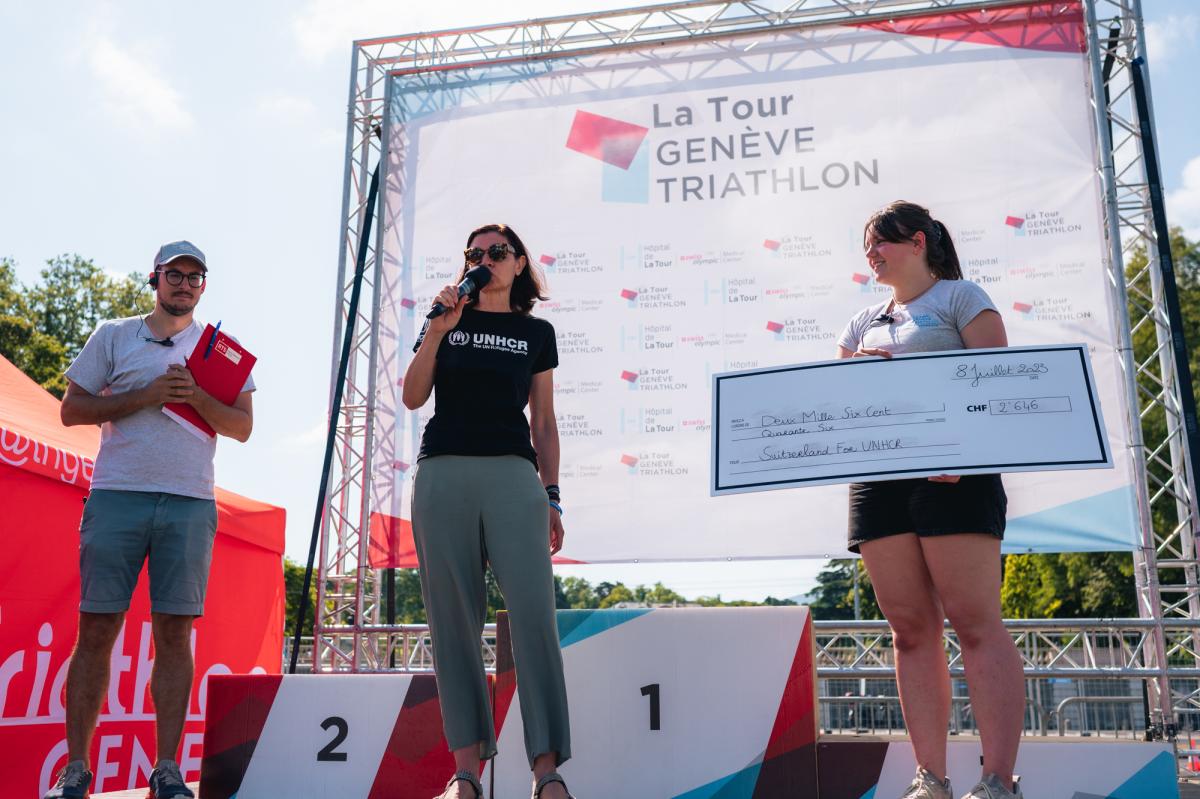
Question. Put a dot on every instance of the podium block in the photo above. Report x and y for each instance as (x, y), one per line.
(354, 736)
(676, 703)
(852, 767)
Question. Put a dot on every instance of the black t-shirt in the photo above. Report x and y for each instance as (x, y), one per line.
(485, 366)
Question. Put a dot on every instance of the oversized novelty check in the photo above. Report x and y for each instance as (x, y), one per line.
(1017, 409)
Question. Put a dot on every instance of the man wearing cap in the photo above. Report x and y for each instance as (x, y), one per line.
(151, 498)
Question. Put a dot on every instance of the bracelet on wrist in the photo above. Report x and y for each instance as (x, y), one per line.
(556, 506)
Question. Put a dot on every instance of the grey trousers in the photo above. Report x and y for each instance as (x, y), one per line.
(469, 511)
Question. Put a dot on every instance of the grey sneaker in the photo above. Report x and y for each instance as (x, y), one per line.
(927, 786)
(167, 783)
(72, 783)
(990, 787)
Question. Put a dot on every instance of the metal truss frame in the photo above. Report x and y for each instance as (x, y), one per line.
(1049, 648)
(348, 632)
(1165, 564)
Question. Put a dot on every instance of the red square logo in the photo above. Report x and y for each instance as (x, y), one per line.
(605, 139)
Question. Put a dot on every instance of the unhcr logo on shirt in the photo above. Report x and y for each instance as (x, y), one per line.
(488, 341)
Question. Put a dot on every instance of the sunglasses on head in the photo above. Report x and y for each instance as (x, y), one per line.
(497, 252)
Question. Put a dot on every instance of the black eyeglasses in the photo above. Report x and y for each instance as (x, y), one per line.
(175, 278)
(497, 252)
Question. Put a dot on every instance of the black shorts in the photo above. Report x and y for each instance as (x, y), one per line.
(975, 504)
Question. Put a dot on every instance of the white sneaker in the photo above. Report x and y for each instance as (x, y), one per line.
(927, 786)
(990, 787)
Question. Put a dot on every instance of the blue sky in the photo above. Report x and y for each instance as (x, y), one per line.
(129, 124)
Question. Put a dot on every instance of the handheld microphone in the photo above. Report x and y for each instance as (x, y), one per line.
(477, 278)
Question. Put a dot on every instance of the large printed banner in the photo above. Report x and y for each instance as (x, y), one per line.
(698, 207)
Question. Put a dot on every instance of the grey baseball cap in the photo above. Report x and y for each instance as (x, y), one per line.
(178, 249)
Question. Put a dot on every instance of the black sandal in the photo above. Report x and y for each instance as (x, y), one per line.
(467, 777)
(553, 776)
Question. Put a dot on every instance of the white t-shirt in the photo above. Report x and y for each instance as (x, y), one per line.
(146, 450)
(931, 323)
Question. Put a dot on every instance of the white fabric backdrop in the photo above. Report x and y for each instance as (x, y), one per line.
(653, 290)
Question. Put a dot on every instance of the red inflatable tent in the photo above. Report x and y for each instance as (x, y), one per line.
(45, 470)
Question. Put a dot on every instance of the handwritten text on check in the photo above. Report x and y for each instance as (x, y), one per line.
(863, 419)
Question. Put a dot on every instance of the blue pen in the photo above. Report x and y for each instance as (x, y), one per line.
(212, 340)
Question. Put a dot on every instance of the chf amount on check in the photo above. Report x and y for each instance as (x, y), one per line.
(961, 412)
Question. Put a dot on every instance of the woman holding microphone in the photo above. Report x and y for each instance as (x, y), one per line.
(485, 492)
(932, 545)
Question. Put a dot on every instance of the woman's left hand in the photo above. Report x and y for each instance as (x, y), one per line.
(556, 532)
(945, 478)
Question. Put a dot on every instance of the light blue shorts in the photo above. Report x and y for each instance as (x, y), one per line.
(121, 529)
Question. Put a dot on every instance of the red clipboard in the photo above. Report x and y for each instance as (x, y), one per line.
(222, 374)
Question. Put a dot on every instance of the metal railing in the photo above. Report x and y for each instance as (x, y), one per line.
(403, 647)
(1051, 649)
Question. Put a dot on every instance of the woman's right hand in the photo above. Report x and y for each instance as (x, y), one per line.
(866, 352)
(454, 306)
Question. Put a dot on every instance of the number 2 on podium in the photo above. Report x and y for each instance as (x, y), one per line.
(651, 691)
(328, 752)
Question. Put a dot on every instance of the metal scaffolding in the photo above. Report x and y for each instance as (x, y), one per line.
(349, 635)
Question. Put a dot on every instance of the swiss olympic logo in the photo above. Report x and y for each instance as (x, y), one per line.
(458, 338)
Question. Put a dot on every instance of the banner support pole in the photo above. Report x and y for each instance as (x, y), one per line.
(335, 409)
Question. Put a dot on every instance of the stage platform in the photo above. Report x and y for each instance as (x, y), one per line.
(1048, 763)
(1187, 790)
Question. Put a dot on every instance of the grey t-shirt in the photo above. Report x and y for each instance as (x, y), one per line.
(146, 450)
(930, 323)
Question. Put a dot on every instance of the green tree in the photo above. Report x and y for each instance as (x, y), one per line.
(659, 594)
(1068, 585)
(602, 590)
(37, 355)
(619, 593)
(410, 605)
(833, 598)
(42, 327)
(1185, 255)
(574, 592)
(293, 585)
(75, 295)
(12, 295)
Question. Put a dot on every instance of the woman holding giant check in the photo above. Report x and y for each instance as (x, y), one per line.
(932, 545)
